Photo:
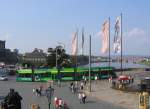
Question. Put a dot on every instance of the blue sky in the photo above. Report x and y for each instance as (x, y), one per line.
(29, 24)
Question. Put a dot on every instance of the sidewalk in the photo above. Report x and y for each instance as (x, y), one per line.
(103, 92)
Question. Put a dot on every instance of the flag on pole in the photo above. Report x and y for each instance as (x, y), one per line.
(82, 43)
(74, 44)
(117, 36)
(105, 37)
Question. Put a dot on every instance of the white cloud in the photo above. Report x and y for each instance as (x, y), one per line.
(137, 35)
(135, 32)
(136, 41)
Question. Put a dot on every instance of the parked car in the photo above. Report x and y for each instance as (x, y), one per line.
(3, 78)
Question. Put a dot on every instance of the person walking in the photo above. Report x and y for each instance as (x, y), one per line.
(40, 90)
(85, 80)
(80, 97)
(61, 103)
(83, 77)
(71, 84)
(96, 79)
(76, 87)
(81, 85)
(83, 98)
(110, 79)
(73, 88)
(56, 102)
(37, 92)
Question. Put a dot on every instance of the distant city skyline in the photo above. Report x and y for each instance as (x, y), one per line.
(29, 24)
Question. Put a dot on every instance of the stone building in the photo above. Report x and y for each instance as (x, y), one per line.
(37, 56)
(6, 55)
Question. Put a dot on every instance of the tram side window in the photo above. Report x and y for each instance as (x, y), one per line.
(67, 74)
(104, 73)
(86, 74)
(93, 73)
(45, 75)
(24, 75)
(107, 72)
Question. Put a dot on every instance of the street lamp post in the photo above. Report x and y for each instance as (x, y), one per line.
(57, 64)
(90, 63)
(49, 94)
(56, 57)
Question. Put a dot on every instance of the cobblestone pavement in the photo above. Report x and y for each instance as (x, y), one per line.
(127, 100)
(25, 90)
(102, 91)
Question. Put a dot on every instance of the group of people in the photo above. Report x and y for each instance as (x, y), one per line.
(59, 103)
(75, 88)
(12, 100)
(82, 97)
(38, 91)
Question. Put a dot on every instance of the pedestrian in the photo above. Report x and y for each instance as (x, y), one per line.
(80, 97)
(37, 92)
(96, 79)
(40, 90)
(19, 98)
(129, 78)
(81, 85)
(83, 77)
(85, 80)
(73, 88)
(13, 100)
(76, 87)
(59, 83)
(132, 79)
(110, 79)
(113, 84)
(33, 90)
(83, 98)
(71, 84)
(60, 103)
(56, 102)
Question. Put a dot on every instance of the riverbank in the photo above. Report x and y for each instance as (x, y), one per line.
(145, 63)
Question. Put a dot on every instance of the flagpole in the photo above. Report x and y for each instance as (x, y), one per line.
(77, 51)
(82, 40)
(90, 63)
(121, 43)
(109, 41)
(76, 57)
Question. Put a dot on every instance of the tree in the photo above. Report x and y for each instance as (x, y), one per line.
(63, 59)
(51, 58)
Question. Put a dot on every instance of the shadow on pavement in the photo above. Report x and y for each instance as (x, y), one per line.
(90, 101)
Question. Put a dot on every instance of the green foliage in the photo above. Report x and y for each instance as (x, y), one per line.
(63, 59)
(145, 62)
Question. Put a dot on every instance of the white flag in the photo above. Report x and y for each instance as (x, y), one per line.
(105, 37)
(74, 44)
(117, 37)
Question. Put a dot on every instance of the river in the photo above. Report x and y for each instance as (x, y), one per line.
(117, 65)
